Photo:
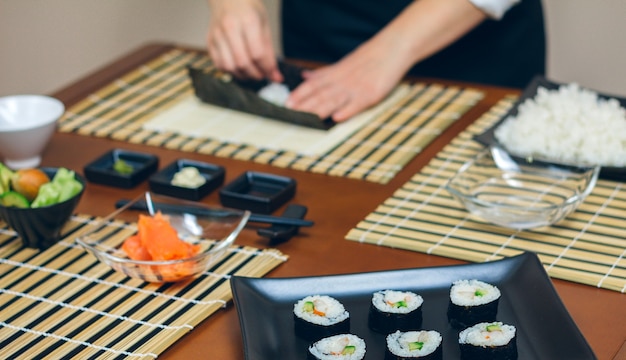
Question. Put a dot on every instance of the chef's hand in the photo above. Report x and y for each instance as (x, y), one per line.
(369, 73)
(239, 39)
(356, 82)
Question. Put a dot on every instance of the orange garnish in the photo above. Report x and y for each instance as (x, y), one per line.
(156, 239)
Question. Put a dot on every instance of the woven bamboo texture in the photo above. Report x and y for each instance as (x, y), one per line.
(376, 152)
(588, 247)
(62, 303)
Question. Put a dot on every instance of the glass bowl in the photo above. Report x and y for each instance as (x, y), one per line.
(213, 229)
(520, 193)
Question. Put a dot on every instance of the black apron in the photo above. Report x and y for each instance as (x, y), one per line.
(506, 52)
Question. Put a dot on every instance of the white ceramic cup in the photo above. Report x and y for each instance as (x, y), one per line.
(27, 123)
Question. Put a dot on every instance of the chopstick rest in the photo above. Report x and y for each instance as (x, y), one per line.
(278, 233)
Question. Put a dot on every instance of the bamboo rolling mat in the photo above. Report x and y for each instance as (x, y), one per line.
(62, 303)
(375, 152)
(588, 247)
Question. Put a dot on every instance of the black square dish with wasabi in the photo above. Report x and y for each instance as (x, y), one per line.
(121, 168)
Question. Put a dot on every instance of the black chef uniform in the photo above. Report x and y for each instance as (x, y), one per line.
(505, 52)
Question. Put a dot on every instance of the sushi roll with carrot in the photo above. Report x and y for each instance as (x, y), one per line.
(471, 302)
(338, 347)
(488, 341)
(423, 345)
(393, 310)
(319, 316)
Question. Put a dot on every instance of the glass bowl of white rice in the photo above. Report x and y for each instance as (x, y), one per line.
(520, 193)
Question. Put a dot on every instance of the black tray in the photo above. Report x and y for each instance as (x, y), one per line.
(160, 182)
(529, 301)
(214, 88)
(101, 171)
(487, 138)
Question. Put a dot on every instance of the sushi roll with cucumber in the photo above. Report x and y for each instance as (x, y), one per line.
(393, 310)
(320, 316)
(414, 345)
(472, 302)
(338, 347)
(488, 341)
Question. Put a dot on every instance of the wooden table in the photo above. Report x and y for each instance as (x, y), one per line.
(335, 204)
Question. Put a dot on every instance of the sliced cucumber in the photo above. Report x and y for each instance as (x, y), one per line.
(349, 349)
(308, 306)
(14, 199)
(418, 345)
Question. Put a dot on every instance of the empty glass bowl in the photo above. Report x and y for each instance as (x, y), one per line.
(520, 193)
(213, 229)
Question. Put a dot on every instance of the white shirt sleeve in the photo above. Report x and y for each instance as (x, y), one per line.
(495, 9)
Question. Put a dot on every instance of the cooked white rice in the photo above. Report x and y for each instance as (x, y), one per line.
(569, 125)
(399, 342)
(275, 93)
(333, 346)
(478, 335)
(333, 310)
(384, 299)
(473, 292)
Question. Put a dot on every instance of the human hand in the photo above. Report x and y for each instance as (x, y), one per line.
(239, 39)
(341, 90)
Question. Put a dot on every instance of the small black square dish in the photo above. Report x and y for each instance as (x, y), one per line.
(258, 192)
(162, 182)
(121, 168)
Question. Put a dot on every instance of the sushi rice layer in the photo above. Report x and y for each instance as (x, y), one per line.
(473, 293)
(488, 334)
(339, 347)
(403, 343)
(388, 300)
(328, 311)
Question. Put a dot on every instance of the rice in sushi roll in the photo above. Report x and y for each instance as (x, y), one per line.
(338, 347)
(392, 310)
(471, 302)
(319, 316)
(488, 341)
(414, 345)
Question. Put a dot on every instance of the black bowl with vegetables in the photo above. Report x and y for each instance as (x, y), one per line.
(39, 219)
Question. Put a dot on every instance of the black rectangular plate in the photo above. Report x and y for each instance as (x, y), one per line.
(487, 138)
(529, 301)
(101, 171)
(258, 192)
(160, 182)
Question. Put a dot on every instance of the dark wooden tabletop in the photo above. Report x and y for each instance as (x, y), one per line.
(335, 204)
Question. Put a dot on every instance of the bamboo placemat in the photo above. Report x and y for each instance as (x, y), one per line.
(62, 303)
(375, 153)
(588, 247)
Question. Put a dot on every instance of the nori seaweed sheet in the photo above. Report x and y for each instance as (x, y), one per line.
(226, 91)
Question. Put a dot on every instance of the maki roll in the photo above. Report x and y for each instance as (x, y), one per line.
(395, 310)
(338, 347)
(319, 316)
(471, 302)
(488, 341)
(414, 345)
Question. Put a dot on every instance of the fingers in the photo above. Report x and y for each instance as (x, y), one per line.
(239, 41)
(325, 93)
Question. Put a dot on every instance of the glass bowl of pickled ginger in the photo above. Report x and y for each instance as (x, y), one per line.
(163, 239)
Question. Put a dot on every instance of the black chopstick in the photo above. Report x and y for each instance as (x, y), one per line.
(259, 218)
